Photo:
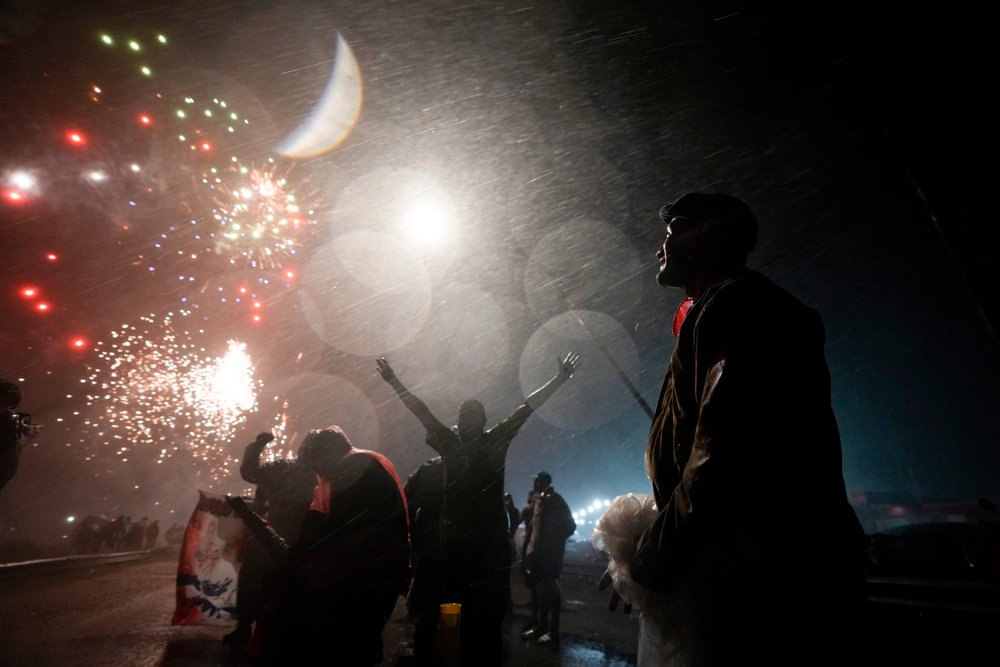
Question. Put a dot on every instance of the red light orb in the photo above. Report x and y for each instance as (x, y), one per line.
(29, 292)
(289, 274)
(15, 196)
(51, 256)
(257, 318)
(205, 147)
(43, 307)
(78, 343)
(76, 138)
(258, 304)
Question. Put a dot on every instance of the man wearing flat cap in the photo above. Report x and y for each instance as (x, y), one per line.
(755, 541)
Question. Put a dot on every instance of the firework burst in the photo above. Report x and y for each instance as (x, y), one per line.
(159, 392)
(261, 221)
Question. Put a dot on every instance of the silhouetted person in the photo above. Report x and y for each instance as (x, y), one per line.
(174, 534)
(527, 514)
(16, 430)
(513, 515)
(125, 530)
(477, 549)
(116, 533)
(152, 533)
(755, 540)
(283, 494)
(135, 536)
(513, 521)
(551, 525)
(424, 497)
(341, 578)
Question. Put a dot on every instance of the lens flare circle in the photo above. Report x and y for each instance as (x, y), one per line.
(594, 396)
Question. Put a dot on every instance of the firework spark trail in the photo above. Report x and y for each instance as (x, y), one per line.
(159, 390)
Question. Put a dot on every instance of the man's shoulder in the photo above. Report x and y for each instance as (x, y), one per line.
(431, 463)
(559, 499)
(755, 291)
(441, 433)
(502, 430)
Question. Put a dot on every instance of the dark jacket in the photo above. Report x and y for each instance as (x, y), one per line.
(551, 525)
(745, 459)
(285, 487)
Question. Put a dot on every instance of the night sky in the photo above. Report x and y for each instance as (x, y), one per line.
(491, 206)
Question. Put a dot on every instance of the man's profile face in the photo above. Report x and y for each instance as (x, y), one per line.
(677, 264)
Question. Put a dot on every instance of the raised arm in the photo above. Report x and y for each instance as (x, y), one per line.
(250, 465)
(567, 365)
(413, 404)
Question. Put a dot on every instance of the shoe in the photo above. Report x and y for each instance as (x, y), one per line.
(548, 639)
(532, 633)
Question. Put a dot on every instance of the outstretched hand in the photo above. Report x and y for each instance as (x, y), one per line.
(568, 364)
(385, 370)
(615, 598)
(264, 438)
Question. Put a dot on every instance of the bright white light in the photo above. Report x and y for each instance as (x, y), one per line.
(97, 176)
(70, 519)
(23, 180)
(428, 221)
(229, 382)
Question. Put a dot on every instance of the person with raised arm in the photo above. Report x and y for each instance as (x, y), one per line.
(474, 522)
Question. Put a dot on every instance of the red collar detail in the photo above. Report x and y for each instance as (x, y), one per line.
(681, 313)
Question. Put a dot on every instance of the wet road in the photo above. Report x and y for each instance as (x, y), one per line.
(119, 616)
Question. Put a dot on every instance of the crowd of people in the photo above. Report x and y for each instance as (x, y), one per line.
(100, 534)
(744, 420)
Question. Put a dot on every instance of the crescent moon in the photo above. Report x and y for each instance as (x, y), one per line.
(338, 109)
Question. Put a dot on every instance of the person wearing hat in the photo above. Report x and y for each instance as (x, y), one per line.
(551, 525)
(755, 541)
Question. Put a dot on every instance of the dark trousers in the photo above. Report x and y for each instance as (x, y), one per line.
(548, 597)
(477, 575)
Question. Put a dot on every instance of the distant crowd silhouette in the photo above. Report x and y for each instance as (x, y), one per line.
(101, 534)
